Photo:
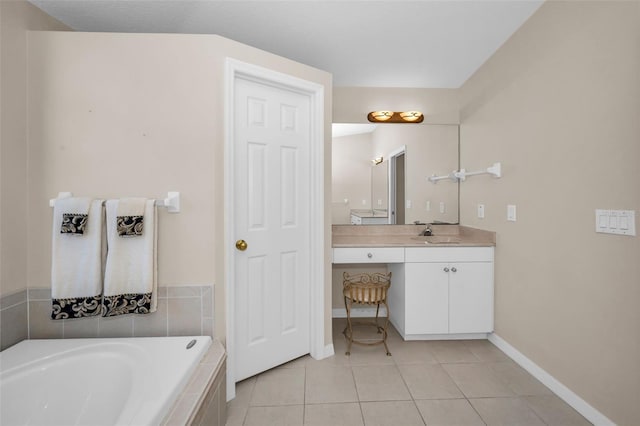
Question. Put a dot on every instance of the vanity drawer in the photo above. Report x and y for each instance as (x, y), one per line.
(368, 255)
(449, 254)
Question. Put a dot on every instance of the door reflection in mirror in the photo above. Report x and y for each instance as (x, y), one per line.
(411, 154)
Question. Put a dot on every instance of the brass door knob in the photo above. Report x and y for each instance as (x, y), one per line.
(241, 245)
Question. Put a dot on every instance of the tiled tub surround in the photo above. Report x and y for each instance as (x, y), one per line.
(204, 401)
(14, 319)
(182, 311)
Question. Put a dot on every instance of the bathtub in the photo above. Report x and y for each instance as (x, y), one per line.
(128, 381)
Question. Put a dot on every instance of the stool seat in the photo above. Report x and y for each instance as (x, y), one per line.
(367, 289)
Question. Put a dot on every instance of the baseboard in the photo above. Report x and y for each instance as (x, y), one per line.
(570, 397)
(359, 312)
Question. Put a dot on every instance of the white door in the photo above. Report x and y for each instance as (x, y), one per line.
(272, 133)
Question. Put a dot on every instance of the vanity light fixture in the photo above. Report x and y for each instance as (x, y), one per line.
(412, 116)
(377, 161)
(377, 116)
(395, 117)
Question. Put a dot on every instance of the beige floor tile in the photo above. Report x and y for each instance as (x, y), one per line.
(296, 363)
(518, 379)
(283, 386)
(486, 351)
(286, 415)
(391, 413)
(554, 411)
(505, 412)
(477, 380)
(429, 381)
(370, 355)
(411, 353)
(237, 408)
(328, 383)
(346, 414)
(449, 412)
(450, 351)
(380, 383)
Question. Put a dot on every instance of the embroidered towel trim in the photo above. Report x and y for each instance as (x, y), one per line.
(130, 217)
(73, 223)
(130, 283)
(77, 259)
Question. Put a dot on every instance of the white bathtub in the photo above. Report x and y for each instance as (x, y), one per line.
(130, 381)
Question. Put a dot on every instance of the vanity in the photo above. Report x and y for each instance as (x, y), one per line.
(369, 217)
(441, 286)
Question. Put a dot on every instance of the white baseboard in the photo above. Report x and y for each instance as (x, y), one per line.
(359, 312)
(578, 404)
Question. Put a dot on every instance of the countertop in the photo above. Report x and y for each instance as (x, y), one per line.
(408, 236)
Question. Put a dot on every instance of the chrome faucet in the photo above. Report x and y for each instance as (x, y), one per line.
(427, 231)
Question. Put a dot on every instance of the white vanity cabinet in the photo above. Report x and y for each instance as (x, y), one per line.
(443, 291)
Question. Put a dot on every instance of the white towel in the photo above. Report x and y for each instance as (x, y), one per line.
(130, 278)
(77, 253)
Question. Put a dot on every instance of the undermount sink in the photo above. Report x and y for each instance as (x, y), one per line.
(438, 239)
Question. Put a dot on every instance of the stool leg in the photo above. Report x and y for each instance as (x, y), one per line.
(349, 336)
(384, 331)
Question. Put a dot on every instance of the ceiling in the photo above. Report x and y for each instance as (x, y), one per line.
(393, 43)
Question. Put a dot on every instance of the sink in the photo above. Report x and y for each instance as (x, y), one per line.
(438, 239)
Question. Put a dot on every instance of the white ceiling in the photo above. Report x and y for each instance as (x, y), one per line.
(393, 43)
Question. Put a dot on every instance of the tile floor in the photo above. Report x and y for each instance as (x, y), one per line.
(452, 383)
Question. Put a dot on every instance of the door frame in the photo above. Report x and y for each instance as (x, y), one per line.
(393, 156)
(237, 69)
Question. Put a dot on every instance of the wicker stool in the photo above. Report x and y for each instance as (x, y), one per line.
(366, 289)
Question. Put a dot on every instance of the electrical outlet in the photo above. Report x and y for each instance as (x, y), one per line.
(428, 206)
(442, 207)
(408, 204)
(511, 213)
(480, 211)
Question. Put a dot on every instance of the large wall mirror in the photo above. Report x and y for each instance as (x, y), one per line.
(380, 173)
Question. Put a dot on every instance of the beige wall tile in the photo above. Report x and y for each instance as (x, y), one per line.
(13, 321)
(41, 326)
(154, 324)
(184, 316)
(81, 328)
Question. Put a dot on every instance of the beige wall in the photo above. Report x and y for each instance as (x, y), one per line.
(113, 115)
(350, 175)
(429, 149)
(559, 106)
(16, 17)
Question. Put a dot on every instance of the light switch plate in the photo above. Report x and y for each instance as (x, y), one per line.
(511, 213)
(480, 211)
(619, 222)
(442, 207)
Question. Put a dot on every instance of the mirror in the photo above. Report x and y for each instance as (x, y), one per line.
(397, 190)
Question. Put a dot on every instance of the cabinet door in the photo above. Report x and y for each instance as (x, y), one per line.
(471, 297)
(426, 298)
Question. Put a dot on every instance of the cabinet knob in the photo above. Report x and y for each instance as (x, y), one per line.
(369, 255)
(446, 269)
(454, 269)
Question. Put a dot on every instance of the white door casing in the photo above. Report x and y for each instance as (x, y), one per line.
(274, 200)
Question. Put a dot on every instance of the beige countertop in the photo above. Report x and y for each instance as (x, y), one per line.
(408, 236)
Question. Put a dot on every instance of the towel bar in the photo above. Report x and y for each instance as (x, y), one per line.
(171, 202)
